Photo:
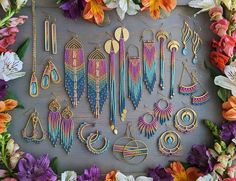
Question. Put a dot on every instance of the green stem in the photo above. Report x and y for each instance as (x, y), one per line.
(6, 18)
(4, 160)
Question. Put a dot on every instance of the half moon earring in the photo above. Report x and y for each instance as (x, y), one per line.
(186, 120)
(169, 143)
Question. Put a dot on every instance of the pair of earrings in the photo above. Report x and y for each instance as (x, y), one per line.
(60, 125)
(91, 139)
(187, 35)
(47, 35)
(191, 89)
(37, 134)
(50, 73)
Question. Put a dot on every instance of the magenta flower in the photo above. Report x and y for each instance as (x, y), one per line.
(220, 27)
(159, 174)
(3, 88)
(32, 169)
(228, 131)
(92, 174)
(200, 157)
(73, 9)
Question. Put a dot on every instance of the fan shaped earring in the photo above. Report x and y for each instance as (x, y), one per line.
(149, 127)
(37, 133)
(80, 131)
(186, 120)
(169, 143)
(163, 113)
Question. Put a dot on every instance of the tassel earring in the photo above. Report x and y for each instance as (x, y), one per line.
(67, 129)
(46, 34)
(134, 78)
(149, 62)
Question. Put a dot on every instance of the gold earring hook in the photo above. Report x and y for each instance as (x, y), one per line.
(134, 46)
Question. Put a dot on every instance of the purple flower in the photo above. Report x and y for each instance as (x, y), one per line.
(32, 169)
(228, 131)
(160, 174)
(92, 174)
(200, 157)
(3, 88)
(73, 9)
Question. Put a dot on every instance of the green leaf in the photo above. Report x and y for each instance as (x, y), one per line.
(54, 165)
(186, 165)
(11, 95)
(223, 94)
(22, 49)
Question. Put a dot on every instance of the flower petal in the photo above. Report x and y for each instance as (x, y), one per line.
(5, 118)
(10, 104)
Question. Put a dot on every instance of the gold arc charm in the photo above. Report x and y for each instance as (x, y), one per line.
(121, 31)
(111, 45)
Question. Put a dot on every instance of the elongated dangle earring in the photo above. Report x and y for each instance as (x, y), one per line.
(67, 129)
(37, 133)
(134, 78)
(94, 150)
(186, 37)
(80, 133)
(197, 42)
(147, 124)
(163, 113)
(97, 81)
(54, 121)
(74, 70)
(54, 37)
(162, 36)
(45, 79)
(122, 35)
(173, 47)
(169, 143)
(149, 62)
(201, 99)
(187, 90)
(112, 47)
(46, 34)
(34, 88)
(186, 120)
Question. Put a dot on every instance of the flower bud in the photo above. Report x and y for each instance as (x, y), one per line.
(20, 3)
(217, 148)
(231, 149)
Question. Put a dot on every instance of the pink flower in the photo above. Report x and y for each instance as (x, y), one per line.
(17, 21)
(9, 179)
(3, 173)
(216, 13)
(8, 36)
(220, 27)
(231, 171)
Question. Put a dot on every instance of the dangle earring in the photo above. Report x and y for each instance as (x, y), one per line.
(187, 90)
(97, 81)
(162, 36)
(169, 143)
(186, 120)
(122, 35)
(54, 121)
(112, 47)
(173, 47)
(46, 34)
(54, 37)
(67, 129)
(163, 113)
(197, 42)
(149, 61)
(186, 37)
(37, 134)
(134, 78)
(74, 70)
(149, 127)
(201, 99)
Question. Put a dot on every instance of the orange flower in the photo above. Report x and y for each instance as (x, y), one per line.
(229, 109)
(180, 174)
(155, 5)
(111, 176)
(5, 118)
(94, 10)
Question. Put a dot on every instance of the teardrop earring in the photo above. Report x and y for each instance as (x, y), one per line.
(186, 37)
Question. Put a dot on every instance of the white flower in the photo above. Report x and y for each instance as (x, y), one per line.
(69, 176)
(123, 7)
(228, 82)
(10, 66)
(20, 3)
(5, 4)
(204, 5)
(207, 177)
(121, 177)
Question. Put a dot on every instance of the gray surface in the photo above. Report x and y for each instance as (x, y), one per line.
(80, 158)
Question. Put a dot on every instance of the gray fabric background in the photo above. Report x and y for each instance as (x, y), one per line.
(79, 158)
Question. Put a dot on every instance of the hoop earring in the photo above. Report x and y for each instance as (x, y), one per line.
(81, 128)
(149, 128)
(186, 37)
(96, 151)
(163, 114)
(54, 121)
(169, 143)
(186, 120)
(37, 128)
